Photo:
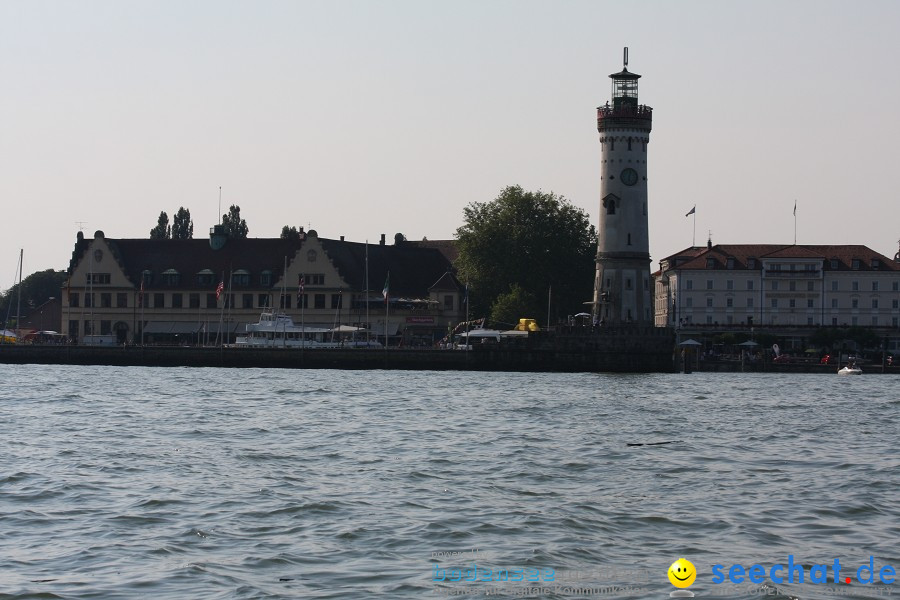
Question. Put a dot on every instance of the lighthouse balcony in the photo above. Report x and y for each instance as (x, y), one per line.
(627, 115)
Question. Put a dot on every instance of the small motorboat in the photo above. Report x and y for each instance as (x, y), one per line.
(850, 369)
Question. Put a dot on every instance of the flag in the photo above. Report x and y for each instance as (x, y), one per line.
(141, 294)
(300, 291)
(692, 211)
(219, 289)
(795, 208)
(387, 287)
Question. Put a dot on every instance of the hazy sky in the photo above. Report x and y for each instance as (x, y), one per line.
(362, 118)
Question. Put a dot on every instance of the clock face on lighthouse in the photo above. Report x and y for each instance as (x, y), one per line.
(629, 176)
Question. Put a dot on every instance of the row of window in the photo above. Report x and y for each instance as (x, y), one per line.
(792, 285)
(206, 278)
(792, 303)
(854, 321)
(834, 264)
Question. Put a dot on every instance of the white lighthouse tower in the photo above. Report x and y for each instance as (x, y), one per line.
(622, 284)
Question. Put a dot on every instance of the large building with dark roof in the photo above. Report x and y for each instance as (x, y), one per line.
(779, 287)
(165, 291)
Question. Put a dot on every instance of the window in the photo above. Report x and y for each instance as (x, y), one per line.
(874, 263)
(792, 303)
(854, 321)
(896, 286)
(809, 303)
(210, 301)
(105, 300)
(749, 284)
(874, 321)
(240, 278)
(122, 300)
(73, 299)
(874, 302)
(854, 303)
(159, 300)
(729, 285)
(147, 276)
(834, 263)
(305, 299)
(710, 263)
(448, 302)
(194, 300)
(171, 278)
(895, 321)
(265, 278)
(809, 320)
(855, 264)
(792, 286)
(319, 301)
(337, 301)
(177, 301)
(247, 300)
(709, 284)
(709, 320)
(874, 286)
(690, 303)
(729, 263)
(689, 283)
(774, 286)
(105, 327)
(285, 301)
(834, 303)
(89, 301)
(854, 286)
(262, 301)
(749, 302)
(629, 239)
(729, 320)
(205, 278)
(628, 284)
(314, 278)
(810, 286)
(97, 278)
(895, 304)
(709, 302)
(751, 263)
(834, 286)
(834, 320)
(774, 302)
(729, 302)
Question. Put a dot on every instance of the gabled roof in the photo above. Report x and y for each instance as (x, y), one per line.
(742, 253)
(447, 283)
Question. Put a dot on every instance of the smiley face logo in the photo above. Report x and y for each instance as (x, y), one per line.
(682, 573)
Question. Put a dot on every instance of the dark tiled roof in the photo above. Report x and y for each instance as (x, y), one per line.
(446, 247)
(413, 269)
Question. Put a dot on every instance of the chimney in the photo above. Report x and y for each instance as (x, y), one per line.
(382, 240)
(342, 238)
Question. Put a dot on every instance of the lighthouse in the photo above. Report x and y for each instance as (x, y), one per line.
(622, 282)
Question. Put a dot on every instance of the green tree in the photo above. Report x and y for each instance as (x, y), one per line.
(234, 224)
(536, 240)
(290, 233)
(516, 304)
(162, 231)
(182, 225)
(37, 288)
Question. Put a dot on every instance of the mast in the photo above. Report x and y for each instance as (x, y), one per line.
(19, 304)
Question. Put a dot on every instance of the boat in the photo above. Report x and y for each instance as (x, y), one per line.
(278, 330)
(850, 369)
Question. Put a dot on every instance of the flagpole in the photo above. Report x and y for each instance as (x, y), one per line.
(694, 237)
(467, 316)
(795, 222)
(387, 308)
(368, 326)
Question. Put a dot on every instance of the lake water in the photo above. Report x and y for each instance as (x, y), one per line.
(220, 483)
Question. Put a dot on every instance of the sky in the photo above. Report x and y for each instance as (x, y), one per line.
(359, 118)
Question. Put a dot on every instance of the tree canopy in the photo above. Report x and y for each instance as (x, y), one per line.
(162, 231)
(37, 288)
(182, 225)
(514, 249)
(234, 224)
(291, 233)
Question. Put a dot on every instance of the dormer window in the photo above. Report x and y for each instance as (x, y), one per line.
(729, 264)
(147, 277)
(240, 278)
(265, 278)
(875, 263)
(171, 277)
(751, 263)
(205, 278)
(855, 264)
(710, 263)
(835, 264)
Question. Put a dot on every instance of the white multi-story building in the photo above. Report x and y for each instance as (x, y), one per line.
(775, 286)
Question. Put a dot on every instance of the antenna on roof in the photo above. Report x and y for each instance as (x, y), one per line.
(81, 225)
(220, 205)
(625, 58)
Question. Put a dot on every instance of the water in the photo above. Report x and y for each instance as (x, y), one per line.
(216, 483)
